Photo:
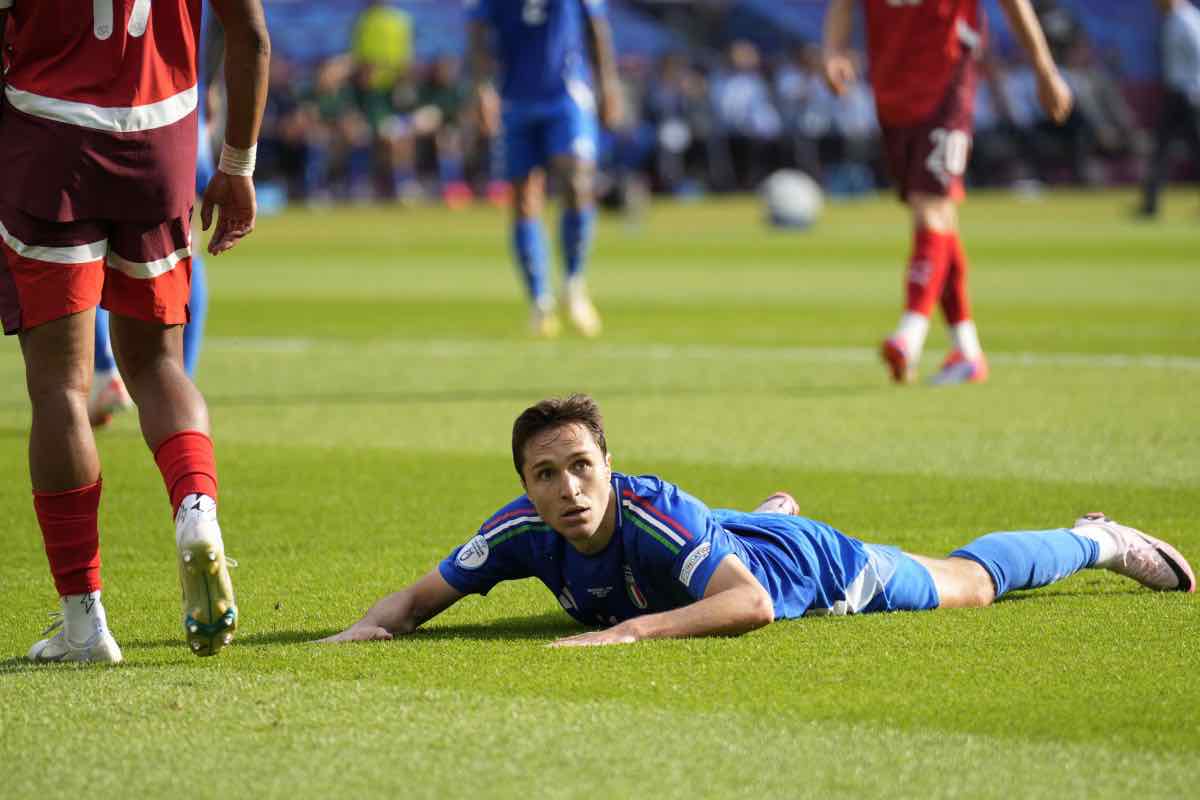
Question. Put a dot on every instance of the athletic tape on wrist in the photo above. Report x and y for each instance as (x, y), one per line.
(236, 161)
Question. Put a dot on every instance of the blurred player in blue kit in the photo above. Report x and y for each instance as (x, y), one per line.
(547, 111)
(640, 558)
(108, 394)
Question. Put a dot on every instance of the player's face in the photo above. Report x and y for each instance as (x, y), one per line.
(569, 481)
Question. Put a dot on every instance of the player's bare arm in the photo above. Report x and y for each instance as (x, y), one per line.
(604, 59)
(402, 612)
(734, 603)
(247, 59)
(479, 57)
(838, 65)
(1053, 92)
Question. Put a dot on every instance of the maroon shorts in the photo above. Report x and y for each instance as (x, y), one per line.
(930, 157)
(49, 270)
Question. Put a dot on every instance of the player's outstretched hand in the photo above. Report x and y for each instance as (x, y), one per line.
(358, 633)
(617, 634)
(1055, 96)
(839, 72)
(233, 196)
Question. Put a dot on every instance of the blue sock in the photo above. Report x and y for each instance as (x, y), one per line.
(529, 241)
(104, 361)
(193, 332)
(450, 169)
(576, 235)
(1029, 559)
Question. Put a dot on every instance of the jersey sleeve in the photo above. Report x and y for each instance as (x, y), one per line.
(502, 550)
(683, 542)
(594, 8)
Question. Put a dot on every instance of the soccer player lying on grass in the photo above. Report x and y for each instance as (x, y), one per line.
(642, 559)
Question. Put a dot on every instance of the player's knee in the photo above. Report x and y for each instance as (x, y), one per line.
(54, 388)
(527, 200)
(933, 212)
(977, 587)
(54, 398)
(578, 184)
(983, 593)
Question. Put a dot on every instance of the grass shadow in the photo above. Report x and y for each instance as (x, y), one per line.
(546, 626)
(265, 639)
(19, 665)
(540, 627)
(1021, 595)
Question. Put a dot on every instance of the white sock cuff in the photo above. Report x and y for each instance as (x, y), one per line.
(83, 616)
(966, 339)
(911, 332)
(1110, 547)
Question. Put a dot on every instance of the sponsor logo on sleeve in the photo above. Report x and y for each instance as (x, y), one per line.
(694, 560)
(473, 553)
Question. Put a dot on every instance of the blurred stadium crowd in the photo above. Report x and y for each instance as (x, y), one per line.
(370, 99)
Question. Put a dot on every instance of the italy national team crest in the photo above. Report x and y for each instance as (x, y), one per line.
(635, 594)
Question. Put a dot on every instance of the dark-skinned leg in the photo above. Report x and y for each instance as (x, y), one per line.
(150, 356)
(65, 471)
(175, 426)
(58, 374)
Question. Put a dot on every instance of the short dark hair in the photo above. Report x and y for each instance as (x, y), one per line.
(552, 413)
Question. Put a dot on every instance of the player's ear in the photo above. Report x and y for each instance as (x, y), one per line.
(608, 461)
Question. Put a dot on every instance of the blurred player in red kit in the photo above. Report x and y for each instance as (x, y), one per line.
(98, 153)
(923, 56)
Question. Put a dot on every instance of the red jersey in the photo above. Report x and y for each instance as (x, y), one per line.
(99, 112)
(915, 48)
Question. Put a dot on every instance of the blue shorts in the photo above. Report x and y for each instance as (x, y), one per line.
(536, 133)
(900, 582)
(206, 168)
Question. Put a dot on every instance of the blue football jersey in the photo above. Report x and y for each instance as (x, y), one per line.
(540, 44)
(666, 546)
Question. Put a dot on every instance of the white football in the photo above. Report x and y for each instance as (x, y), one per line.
(793, 199)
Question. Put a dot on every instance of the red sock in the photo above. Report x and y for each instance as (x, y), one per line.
(188, 466)
(956, 305)
(71, 533)
(927, 270)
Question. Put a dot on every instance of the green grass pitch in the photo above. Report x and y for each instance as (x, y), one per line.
(363, 370)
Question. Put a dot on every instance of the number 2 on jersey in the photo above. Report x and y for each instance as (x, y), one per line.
(533, 12)
(102, 18)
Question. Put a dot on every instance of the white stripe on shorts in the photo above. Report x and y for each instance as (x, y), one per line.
(117, 119)
(70, 254)
(147, 270)
(875, 574)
